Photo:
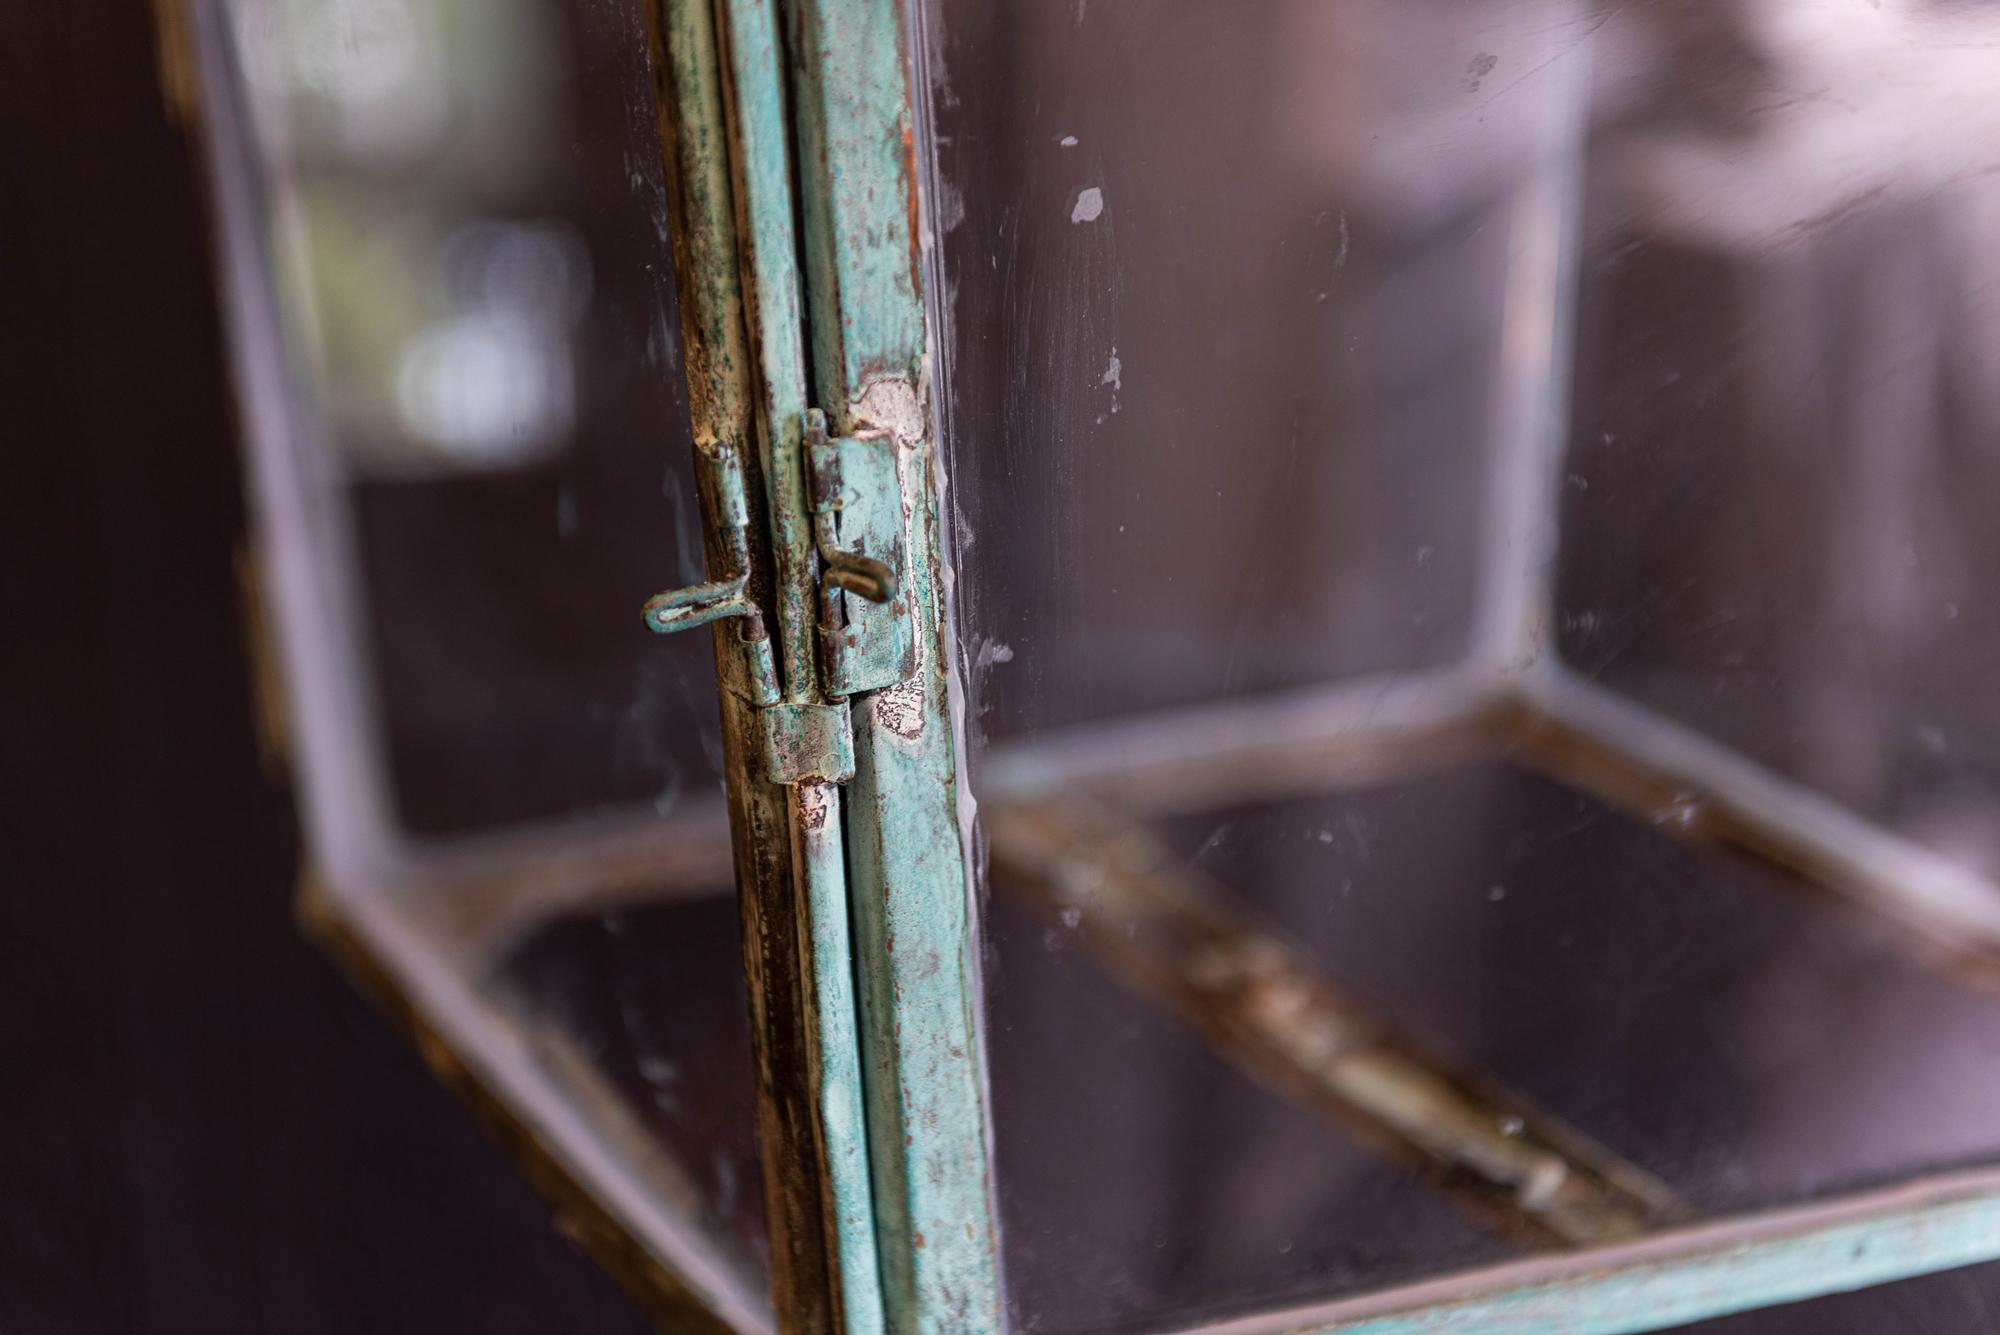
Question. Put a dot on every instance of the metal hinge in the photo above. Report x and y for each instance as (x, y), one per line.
(856, 495)
(864, 627)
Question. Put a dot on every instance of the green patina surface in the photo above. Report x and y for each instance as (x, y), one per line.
(1851, 1254)
(697, 151)
(856, 147)
(857, 499)
(912, 916)
(763, 174)
(735, 252)
(824, 930)
(773, 307)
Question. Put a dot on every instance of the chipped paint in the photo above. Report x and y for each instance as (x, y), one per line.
(914, 927)
(735, 251)
(892, 405)
(900, 710)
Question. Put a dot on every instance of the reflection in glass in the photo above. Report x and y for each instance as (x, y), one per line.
(1469, 523)
(452, 285)
(468, 221)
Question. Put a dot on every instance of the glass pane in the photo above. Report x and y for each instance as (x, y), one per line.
(649, 998)
(1167, 306)
(468, 223)
(1788, 347)
(475, 466)
(1469, 533)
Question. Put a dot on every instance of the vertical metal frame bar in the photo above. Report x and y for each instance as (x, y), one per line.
(914, 925)
(724, 131)
(1516, 599)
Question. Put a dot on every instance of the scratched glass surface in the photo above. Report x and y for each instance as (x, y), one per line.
(1473, 574)
(468, 222)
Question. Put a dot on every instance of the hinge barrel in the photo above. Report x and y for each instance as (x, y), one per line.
(807, 742)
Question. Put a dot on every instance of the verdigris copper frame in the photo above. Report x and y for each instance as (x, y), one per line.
(913, 1249)
(915, 929)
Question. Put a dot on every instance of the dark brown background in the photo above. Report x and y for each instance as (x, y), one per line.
(202, 1128)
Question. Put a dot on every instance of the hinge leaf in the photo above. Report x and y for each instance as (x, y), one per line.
(857, 502)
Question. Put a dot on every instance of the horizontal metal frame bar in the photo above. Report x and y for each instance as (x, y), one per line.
(1685, 1275)
(1688, 786)
(1376, 730)
(481, 900)
(1692, 786)
(1366, 730)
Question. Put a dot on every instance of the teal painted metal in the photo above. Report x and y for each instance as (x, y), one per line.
(857, 145)
(817, 749)
(700, 604)
(824, 934)
(761, 158)
(736, 248)
(1838, 1255)
(914, 927)
(857, 502)
(808, 744)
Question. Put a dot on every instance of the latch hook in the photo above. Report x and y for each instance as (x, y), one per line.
(699, 604)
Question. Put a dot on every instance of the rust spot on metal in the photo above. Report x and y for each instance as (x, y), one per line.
(910, 189)
(815, 806)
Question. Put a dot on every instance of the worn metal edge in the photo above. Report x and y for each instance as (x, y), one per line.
(722, 71)
(915, 931)
(1736, 1265)
(759, 160)
(836, 1071)
(670, 1271)
(355, 845)
(761, 165)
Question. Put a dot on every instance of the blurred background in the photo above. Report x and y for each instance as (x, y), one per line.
(202, 1127)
